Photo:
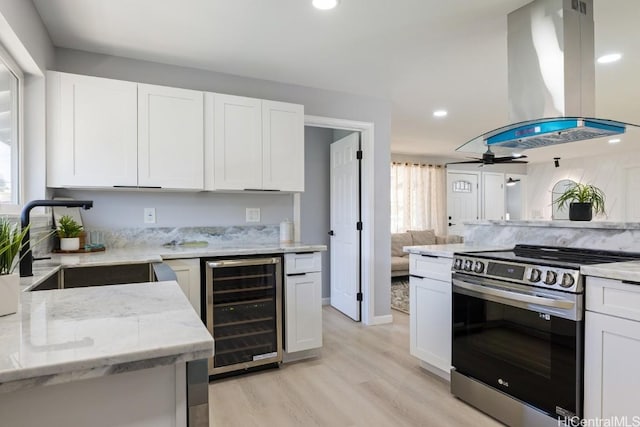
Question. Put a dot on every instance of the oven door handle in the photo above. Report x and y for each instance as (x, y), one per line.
(506, 296)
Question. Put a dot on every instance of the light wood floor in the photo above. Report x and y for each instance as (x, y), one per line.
(365, 377)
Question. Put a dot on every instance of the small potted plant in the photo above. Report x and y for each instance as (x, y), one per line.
(583, 201)
(10, 243)
(69, 232)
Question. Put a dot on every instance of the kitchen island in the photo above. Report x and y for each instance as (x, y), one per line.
(121, 355)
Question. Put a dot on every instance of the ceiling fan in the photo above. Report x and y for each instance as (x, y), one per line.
(489, 158)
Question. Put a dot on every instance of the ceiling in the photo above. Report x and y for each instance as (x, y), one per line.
(421, 55)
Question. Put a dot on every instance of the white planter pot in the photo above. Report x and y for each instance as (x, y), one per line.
(69, 243)
(9, 293)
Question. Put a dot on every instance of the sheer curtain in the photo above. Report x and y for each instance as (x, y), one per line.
(418, 198)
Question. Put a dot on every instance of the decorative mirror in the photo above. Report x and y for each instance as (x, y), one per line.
(557, 190)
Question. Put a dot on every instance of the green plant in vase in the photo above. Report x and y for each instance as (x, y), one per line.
(10, 244)
(69, 232)
(583, 201)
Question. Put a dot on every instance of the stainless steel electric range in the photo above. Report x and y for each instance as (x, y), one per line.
(518, 329)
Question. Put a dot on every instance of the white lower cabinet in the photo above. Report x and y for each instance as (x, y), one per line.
(612, 348)
(430, 321)
(430, 311)
(303, 306)
(188, 273)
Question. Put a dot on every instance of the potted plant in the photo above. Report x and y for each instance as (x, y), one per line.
(69, 232)
(583, 201)
(10, 244)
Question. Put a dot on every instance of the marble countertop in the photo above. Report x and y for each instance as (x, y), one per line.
(65, 335)
(43, 269)
(629, 271)
(447, 250)
(610, 225)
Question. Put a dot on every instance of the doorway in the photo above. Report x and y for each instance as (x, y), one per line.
(366, 131)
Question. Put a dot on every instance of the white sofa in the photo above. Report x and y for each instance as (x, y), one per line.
(400, 260)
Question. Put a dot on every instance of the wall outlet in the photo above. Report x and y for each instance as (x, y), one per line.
(253, 215)
(149, 215)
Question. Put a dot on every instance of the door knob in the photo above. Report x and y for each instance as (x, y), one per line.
(331, 233)
(450, 224)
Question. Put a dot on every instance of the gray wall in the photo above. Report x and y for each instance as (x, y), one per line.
(316, 101)
(125, 209)
(314, 202)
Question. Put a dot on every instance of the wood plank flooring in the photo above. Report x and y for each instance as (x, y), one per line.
(365, 377)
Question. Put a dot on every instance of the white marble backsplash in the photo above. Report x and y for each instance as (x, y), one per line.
(588, 235)
(157, 236)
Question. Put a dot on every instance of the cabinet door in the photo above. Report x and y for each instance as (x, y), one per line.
(430, 321)
(303, 312)
(612, 346)
(170, 137)
(188, 273)
(237, 142)
(282, 146)
(92, 131)
(492, 195)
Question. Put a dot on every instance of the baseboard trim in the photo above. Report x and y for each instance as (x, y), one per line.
(326, 301)
(381, 320)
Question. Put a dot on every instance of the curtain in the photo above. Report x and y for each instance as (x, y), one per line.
(418, 198)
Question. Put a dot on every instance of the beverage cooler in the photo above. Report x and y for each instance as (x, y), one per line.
(243, 312)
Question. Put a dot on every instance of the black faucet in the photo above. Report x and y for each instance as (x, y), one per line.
(26, 257)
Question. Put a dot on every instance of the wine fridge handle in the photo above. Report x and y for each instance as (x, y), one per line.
(242, 262)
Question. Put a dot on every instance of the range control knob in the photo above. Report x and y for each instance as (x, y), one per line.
(468, 265)
(567, 280)
(479, 267)
(457, 264)
(535, 275)
(551, 278)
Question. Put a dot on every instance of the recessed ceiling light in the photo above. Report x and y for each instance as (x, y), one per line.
(610, 57)
(440, 113)
(614, 140)
(325, 4)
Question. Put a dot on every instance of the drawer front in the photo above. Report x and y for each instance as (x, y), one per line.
(614, 297)
(307, 262)
(434, 267)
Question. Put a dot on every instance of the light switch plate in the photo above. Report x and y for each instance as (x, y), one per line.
(149, 215)
(253, 215)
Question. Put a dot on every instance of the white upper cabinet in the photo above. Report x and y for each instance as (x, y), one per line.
(237, 142)
(258, 145)
(282, 146)
(170, 137)
(92, 131)
(105, 133)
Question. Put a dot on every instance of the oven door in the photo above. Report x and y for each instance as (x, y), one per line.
(525, 343)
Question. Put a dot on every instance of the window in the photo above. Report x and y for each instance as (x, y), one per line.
(10, 92)
(418, 198)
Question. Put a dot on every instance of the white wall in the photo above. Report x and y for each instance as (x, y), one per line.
(605, 172)
(25, 37)
(317, 102)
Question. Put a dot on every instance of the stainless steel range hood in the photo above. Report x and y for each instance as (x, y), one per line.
(551, 61)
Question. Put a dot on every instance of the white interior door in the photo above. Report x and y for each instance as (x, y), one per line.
(345, 240)
(462, 200)
(493, 195)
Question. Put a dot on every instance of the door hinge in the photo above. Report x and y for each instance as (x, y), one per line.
(359, 225)
(359, 154)
(359, 296)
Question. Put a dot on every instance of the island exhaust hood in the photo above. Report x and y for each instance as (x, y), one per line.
(551, 80)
